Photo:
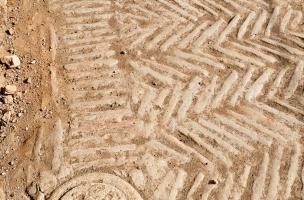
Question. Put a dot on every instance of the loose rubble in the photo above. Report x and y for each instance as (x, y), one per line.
(9, 94)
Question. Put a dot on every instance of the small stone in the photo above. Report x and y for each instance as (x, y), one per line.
(8, 99)
(11, 163)
(19, 114)
(11, 61)
(33, 62)
(10, 31)
(10, 89)
(15, 61)
(7, 116)
(28, 80)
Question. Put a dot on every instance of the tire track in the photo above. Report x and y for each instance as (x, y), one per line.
(158, 89)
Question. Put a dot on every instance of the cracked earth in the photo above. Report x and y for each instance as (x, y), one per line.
(160, 99)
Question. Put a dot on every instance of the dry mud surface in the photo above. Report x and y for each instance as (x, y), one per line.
(167, 99)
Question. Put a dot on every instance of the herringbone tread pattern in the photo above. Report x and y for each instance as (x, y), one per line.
(186, 99)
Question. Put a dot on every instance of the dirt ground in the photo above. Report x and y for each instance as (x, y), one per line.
(160, 99)
(32, 105)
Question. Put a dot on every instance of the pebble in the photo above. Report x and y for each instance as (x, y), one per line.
(8, 99)
(28, 80)
(10, 89)
(7, 116)
(10, 31)
(11, 61)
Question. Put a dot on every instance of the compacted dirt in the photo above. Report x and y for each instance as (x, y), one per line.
(160, 99)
